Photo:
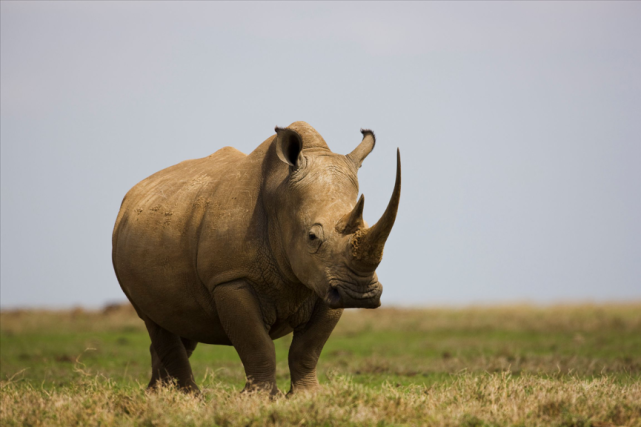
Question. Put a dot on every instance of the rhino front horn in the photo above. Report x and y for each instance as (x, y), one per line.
(367, 244)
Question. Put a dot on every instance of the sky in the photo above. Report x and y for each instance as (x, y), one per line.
(519, 126)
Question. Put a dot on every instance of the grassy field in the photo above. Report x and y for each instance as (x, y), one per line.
(515, 365)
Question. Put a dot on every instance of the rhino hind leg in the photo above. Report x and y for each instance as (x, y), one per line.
(158, 370)
(190, 346)
(170, 358)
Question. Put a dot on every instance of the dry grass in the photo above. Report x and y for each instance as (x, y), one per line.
(470, 400)
(562, 317)
(515, 365)
(114, 317)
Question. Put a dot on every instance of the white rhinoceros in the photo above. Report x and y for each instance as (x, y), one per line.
(239, 250)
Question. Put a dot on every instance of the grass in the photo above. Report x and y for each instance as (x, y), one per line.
(566, 365)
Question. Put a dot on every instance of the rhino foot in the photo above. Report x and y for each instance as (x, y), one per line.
(298, 390)
(173, 383)
(262, 388)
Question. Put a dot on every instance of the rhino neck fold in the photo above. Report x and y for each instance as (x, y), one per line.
(275, 177)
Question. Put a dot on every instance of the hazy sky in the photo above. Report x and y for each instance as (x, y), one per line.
(519, 125)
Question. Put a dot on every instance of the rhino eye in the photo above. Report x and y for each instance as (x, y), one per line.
(315, 238)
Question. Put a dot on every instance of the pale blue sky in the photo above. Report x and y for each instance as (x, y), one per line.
(518, 123)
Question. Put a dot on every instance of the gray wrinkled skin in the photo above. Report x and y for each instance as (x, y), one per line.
(239, 250)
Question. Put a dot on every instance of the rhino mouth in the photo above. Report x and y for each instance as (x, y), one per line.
(350, 295)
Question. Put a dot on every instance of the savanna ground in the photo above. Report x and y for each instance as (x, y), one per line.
(571, 365)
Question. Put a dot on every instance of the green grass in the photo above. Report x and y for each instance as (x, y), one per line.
(456, 354)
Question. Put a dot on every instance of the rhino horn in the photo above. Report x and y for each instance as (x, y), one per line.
(367, 244)
(352, 221)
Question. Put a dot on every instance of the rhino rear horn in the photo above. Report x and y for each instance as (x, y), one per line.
(289, 144)
(364, 148)
(352, 221)
(367, 244)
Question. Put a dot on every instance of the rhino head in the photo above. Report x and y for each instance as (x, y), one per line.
(328, 245)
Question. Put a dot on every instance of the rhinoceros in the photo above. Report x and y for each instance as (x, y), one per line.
(236, 249)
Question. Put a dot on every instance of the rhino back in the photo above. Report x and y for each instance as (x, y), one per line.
(157, 250)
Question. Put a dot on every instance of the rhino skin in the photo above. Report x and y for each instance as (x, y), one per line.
(240, 250)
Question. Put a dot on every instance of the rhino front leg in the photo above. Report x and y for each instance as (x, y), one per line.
(239, 313)
(307, 344)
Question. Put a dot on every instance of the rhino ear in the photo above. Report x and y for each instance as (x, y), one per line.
(289, 144)
(364, 148)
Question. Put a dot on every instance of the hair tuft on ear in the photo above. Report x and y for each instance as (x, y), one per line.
(364, 148)
(366, 132)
